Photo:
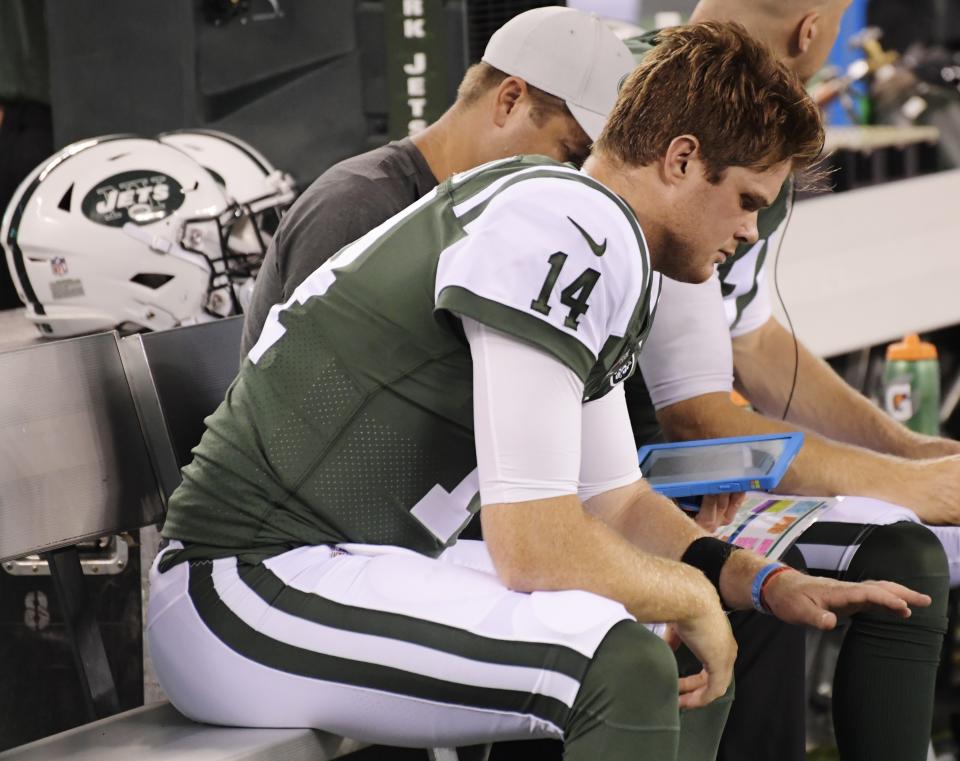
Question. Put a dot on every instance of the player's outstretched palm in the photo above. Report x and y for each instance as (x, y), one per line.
(800, 599)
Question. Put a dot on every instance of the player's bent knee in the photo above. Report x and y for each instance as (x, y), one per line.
(907, 553)
(631, 684)
(901, 550)
(637, 656)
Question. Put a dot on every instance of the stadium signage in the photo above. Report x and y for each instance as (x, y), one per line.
(415, 64)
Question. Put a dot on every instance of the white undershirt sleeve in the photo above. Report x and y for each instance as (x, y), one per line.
(688, 351)
(526, 416)
(530, 425)
(608, 454)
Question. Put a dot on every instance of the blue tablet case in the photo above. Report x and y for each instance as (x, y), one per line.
(686, 487)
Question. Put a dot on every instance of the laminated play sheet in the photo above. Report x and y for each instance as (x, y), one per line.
(769, 524)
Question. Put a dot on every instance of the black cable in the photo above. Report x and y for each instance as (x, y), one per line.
(783, 306)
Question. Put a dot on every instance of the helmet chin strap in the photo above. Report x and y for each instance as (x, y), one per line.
(163, 245)
(154, 242)
(215, 305)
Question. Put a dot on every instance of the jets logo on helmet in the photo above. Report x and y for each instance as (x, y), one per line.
(153, 240)
(141, 197)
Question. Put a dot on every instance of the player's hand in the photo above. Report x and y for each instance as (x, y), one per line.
(934, 489)
(718, 510)
(797, 598)
(924, 447)
(708, 635)
(691, 684)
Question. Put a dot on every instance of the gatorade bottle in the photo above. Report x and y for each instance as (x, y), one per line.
(911, 385)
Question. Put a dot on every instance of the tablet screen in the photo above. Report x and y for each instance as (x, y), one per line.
(714, 462)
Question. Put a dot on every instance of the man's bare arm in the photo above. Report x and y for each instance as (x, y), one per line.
(554, 544)
(824, 467)
(651, 521)
(763, 369)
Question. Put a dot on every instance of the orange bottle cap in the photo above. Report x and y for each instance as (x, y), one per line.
(912, 348)
(738, 399)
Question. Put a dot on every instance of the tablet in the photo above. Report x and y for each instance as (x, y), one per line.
(714, 466)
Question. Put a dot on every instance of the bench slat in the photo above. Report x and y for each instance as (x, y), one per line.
(160, 732)
(73, 464)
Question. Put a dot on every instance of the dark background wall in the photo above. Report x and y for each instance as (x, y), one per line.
(308, 87)
(292, 85)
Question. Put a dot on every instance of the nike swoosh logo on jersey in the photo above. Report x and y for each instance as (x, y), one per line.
(599, 249)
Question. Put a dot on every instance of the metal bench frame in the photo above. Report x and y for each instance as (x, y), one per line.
(139, 403)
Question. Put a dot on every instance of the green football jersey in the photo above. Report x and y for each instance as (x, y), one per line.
(351, 419)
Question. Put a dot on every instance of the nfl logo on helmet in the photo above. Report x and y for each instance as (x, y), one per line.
(58, 265)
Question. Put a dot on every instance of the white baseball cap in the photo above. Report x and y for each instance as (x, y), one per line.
(567, 53)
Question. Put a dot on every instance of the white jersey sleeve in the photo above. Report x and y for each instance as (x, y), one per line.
(535, 439)
(550, 257)
(746, 276)
(758, 311)
(688, 351)
(745, 285)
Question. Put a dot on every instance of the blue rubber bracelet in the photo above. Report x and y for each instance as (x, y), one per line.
(757, 586)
